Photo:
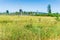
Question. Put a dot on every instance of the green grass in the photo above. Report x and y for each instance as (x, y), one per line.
(29, 28)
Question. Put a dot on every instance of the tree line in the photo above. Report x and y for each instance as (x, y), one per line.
(21, 12)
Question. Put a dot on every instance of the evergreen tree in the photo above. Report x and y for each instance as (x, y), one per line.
(20, 11)
(49, 9)
(7, 11)
(57, 16)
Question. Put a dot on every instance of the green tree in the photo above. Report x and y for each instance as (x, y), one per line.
(20, 11)
(7, 11)
(49, 9)
(57, 16)
(16, 13)
(31, 13)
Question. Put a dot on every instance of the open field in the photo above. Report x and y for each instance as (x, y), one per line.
(29, 28)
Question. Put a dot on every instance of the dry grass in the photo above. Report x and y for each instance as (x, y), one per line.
(29, 28)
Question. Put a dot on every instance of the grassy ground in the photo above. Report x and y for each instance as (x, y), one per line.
(29, 28)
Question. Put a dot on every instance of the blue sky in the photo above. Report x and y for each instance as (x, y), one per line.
(29, 5)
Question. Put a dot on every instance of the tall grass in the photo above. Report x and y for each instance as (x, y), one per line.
(29, 29)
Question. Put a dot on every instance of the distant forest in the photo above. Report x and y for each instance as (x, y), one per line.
(21, 12)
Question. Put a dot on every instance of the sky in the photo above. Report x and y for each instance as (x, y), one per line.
(29, 5)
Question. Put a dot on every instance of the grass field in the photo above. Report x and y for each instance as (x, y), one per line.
(29, 28)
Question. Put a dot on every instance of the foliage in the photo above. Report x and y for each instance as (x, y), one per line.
(7, 11)
(57, 17)
(49, 8)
